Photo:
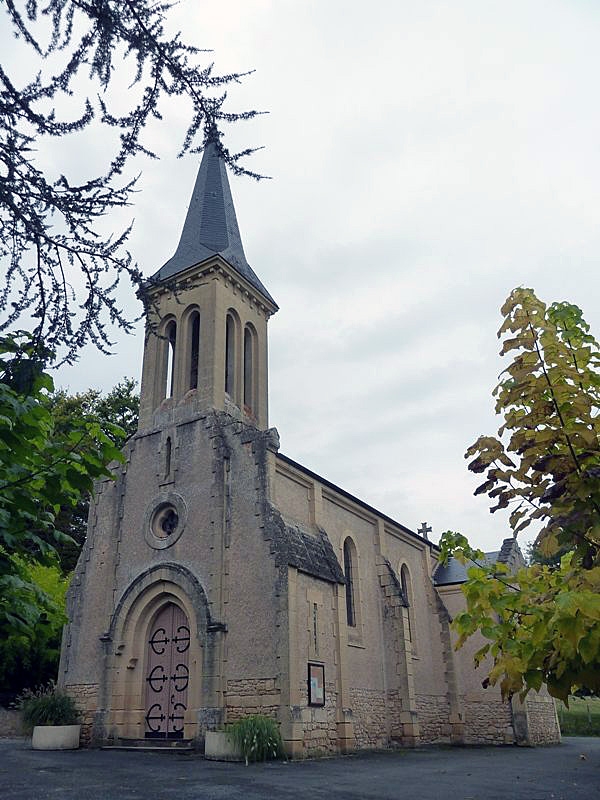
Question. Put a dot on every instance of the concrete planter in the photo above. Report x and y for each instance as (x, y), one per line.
(55, 737)
(218, 747)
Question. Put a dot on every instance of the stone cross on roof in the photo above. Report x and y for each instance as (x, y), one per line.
(424, 530)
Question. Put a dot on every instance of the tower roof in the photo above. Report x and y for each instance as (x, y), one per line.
(211, 226)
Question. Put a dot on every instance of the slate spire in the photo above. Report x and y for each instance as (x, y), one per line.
(211, 226)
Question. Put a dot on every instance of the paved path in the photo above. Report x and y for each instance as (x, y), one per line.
(486, 773)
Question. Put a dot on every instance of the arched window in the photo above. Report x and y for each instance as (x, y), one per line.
(230, 355)
(171, 334)
(349, 562)
(407, 597)
(194, 348)
(249, 368)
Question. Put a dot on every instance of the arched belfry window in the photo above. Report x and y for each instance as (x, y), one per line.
(171, 335)
(193, 348)
(230, 355)
(249, 367)
(349, 573)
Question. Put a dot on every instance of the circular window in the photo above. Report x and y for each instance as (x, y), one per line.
(165, 521)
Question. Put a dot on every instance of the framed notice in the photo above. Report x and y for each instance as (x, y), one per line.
(316, 684)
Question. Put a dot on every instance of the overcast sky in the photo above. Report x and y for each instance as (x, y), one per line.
(427, 157)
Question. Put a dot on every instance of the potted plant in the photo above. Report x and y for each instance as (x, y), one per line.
(52, 718)
(251, 738)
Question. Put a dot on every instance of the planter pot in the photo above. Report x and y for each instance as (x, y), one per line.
(218, 747)
(55, 737)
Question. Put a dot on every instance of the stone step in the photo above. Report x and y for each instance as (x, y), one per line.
(153, 745)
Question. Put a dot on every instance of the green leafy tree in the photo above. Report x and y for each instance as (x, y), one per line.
(42, 468)
(29, 656)
(117, 414)
(534, 555)
(542, 624)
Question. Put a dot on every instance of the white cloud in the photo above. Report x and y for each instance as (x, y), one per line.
(427, 158)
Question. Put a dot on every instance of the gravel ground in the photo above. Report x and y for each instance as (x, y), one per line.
(570, 771)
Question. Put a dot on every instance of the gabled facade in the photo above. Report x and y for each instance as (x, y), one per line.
(220, 578)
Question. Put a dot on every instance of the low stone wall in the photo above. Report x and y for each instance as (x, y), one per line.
(488, 721)
(252, 696)
(369, 715)
(10, 724)
(86, 697)
(433, 714)
(542, 721)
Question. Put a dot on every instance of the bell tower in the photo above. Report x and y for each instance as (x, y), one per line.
(206, 332)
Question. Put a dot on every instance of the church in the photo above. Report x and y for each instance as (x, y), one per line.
(221, 578)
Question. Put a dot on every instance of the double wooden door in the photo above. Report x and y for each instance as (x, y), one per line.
(167, 674)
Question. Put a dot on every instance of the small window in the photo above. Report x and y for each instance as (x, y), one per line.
(349, 575)
(168, 448)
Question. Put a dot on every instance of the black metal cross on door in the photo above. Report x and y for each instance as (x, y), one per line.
(168, 675)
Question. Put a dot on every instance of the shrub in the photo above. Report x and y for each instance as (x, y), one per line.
(47, 706)
(257, 737)
(582, 718)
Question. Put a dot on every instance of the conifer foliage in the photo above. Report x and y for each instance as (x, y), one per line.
(542, 624)
(59, 269)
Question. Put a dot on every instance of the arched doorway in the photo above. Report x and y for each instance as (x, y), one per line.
(167, 673)
(129, 658)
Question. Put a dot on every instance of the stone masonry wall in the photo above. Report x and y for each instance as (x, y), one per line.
(433, 713)
(10, 723)
(369, 718)
(488, 721)
(320, 731)
(542, 721)
(252, 696)
(394, 708)
(86, 697)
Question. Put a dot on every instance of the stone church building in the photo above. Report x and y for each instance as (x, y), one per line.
(220, 578)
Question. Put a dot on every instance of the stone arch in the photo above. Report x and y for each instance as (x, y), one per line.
(126, 652)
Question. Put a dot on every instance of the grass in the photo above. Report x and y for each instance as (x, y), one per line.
(582, 718)
(257, 737)
(47, 706)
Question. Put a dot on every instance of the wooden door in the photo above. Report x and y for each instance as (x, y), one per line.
(167, 674)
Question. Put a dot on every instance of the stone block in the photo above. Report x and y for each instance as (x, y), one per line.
(294, 748)
(219, 747)
(408, 717)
